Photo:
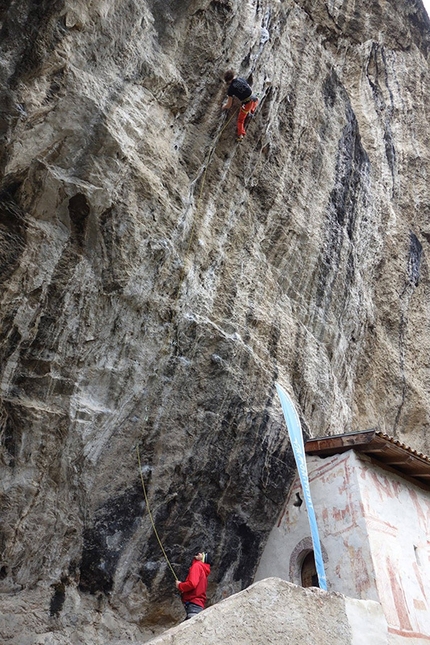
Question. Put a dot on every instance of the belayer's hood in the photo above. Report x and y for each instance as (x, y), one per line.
(206, 568)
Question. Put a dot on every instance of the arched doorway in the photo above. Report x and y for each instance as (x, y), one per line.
(309, 571)
(302, 563)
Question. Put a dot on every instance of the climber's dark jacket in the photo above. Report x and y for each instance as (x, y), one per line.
(240, 89)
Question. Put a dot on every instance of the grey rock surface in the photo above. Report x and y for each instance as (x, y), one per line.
(157, 279)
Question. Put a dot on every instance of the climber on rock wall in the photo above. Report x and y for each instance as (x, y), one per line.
(239, 88)
(193, 589)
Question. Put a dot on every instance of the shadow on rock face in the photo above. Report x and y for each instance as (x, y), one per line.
(105, 540)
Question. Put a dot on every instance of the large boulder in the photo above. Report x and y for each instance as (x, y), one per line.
(278, 612)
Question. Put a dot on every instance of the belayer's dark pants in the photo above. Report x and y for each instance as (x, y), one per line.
(192, 609)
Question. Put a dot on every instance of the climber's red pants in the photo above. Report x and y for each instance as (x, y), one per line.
(246, 108)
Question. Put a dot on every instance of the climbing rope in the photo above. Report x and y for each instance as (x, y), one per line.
(203, 176)
(150, 514)
(182, 275)
(212, 149)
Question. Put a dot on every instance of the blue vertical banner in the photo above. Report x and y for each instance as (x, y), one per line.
(296, 439)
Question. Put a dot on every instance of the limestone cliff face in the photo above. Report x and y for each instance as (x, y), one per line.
(158, 279)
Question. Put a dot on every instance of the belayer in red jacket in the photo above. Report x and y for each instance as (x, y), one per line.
(193, 589)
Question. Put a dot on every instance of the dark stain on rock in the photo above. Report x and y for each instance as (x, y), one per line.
(79, 209)
(419, 20)
(249, 546)
(8, 115)
(49, 330)
(38, 387)
(390, 151)
(10, 433)
(378, 79)
(222, 6)
(12, 229)
(40, 31)
(37, 367)
(10, 441)
(274, 338)
(217, 487)
(57, 599)
(106, 538)
(351, 169)
(329, 89)
(11, 336)
(414, 259)
(276, 472)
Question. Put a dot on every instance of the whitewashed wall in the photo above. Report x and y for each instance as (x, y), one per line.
(374, 528)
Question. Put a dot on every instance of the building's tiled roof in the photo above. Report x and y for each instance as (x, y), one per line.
(386, 450)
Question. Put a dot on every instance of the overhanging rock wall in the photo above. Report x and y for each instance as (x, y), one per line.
(275, 611)
(157, 279)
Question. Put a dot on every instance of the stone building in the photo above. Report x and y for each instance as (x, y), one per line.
(371, 495)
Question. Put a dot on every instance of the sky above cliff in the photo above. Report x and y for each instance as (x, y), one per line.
(426, 3)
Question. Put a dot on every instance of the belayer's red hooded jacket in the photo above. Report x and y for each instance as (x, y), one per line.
(194, 588)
